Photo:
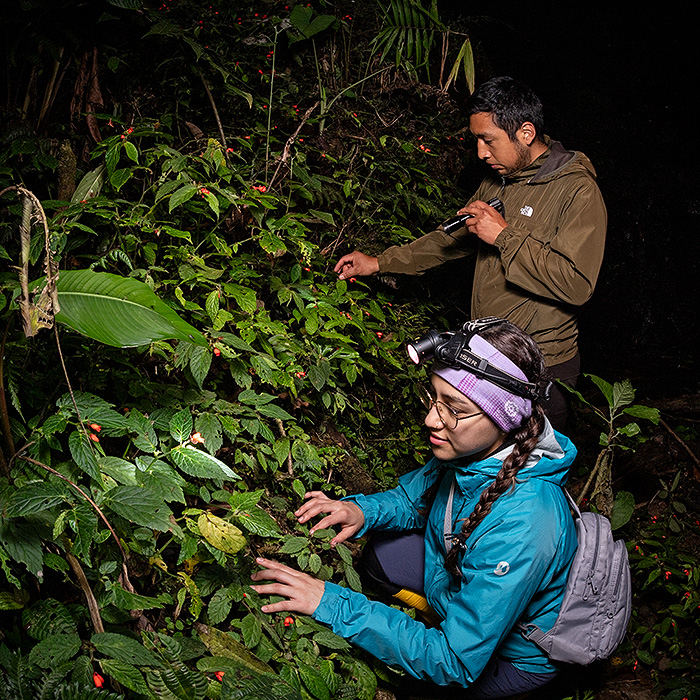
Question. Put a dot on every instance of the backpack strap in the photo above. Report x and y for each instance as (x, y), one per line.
(531, 631)
(447, 525)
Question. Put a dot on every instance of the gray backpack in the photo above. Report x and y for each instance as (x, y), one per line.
(597, 602)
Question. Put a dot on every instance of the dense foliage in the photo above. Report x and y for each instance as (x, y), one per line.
(215, 161)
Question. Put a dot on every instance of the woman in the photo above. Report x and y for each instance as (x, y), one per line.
(496, 528)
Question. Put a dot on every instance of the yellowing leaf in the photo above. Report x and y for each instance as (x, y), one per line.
(220, 533)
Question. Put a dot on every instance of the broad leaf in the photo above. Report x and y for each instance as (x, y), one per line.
(118, 311)
(124, 649)
(139, 505)
(197, 463)
(55, 650)
(220, 533)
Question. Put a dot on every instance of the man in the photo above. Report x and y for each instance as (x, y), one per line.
(538, 260)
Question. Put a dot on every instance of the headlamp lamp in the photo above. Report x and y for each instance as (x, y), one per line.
(452, 349)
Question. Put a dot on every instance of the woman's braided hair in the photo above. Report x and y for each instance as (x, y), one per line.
(523, 351)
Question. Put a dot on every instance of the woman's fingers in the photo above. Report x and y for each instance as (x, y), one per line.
(303, 592)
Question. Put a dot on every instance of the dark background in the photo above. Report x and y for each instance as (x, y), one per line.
(619, 83)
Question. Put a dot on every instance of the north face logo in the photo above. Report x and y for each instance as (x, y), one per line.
(526, 211)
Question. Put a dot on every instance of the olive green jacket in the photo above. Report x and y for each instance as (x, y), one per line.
(543, 264)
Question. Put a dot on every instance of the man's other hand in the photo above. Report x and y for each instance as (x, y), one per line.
(356, 264)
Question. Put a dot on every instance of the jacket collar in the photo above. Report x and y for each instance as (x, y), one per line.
(550, 162)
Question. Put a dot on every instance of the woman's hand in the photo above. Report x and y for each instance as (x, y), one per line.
(303, 592)
(344, 513)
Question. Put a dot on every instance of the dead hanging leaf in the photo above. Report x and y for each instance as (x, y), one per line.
(39, 314)
(220, 533)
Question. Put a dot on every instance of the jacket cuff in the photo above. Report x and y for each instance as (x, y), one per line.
(368, 509)
(326, 610)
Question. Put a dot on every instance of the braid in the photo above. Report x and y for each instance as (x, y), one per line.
(525, 439)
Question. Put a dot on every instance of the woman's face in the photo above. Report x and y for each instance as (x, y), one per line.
(473, 437)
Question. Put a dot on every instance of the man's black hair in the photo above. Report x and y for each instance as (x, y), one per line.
(510, 102)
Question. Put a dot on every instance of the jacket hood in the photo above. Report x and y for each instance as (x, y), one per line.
(550, 460)
(555, 161)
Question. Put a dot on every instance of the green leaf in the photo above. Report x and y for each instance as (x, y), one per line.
(644, 412)
(125, 674)
(313, 680)
(126, 600)
(200, 363)
(209, 426)
(46, 618)
(181, 426)
(83, 454)
(197, 463)
(330, 640)
(319, 374)
(259, 522)
(54, 650)
(181, 196)
(90, 185)
(124, 649)
(181, 683)
(33, 498)
(140, 506)
(118, 311)
(119, 178)
(162, 479)
(219, 606)
(21, 541)
(623, 509)
(294, 545)
(605, 388)
(221, 644)
(623, 393)
(251, 630)
(119, 469)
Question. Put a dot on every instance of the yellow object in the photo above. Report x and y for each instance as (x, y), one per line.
(420, 603)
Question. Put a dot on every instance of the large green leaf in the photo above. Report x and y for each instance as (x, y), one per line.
(118, 311)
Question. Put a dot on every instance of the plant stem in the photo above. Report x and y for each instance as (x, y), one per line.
(93, 607)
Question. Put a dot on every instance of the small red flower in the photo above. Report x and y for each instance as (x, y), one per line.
(93, 437)
(98, 680)
(219, 675)
(217, 352)
(260, 188)
(196, 438)
(95, 427)
(288, 621)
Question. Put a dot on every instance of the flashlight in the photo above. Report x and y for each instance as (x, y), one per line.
(424, 347)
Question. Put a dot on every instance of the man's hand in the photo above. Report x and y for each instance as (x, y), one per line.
(303, 592)
(356, 264)
(344, 513)
(486, 223)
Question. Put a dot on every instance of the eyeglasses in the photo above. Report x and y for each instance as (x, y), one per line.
(448, 416)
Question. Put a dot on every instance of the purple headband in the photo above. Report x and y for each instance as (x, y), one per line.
(506, 410)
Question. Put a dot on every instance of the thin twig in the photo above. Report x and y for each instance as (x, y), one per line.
(96, 508)
(216, 113)
(93, 607)
(290, 465)
(675, 436)
(290, 142)
(6, 428)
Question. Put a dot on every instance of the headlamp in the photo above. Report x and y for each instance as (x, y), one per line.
(452, 349)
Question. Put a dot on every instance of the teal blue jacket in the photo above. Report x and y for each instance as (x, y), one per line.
(514, 569)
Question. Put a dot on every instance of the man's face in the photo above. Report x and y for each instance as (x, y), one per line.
(495, 148)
